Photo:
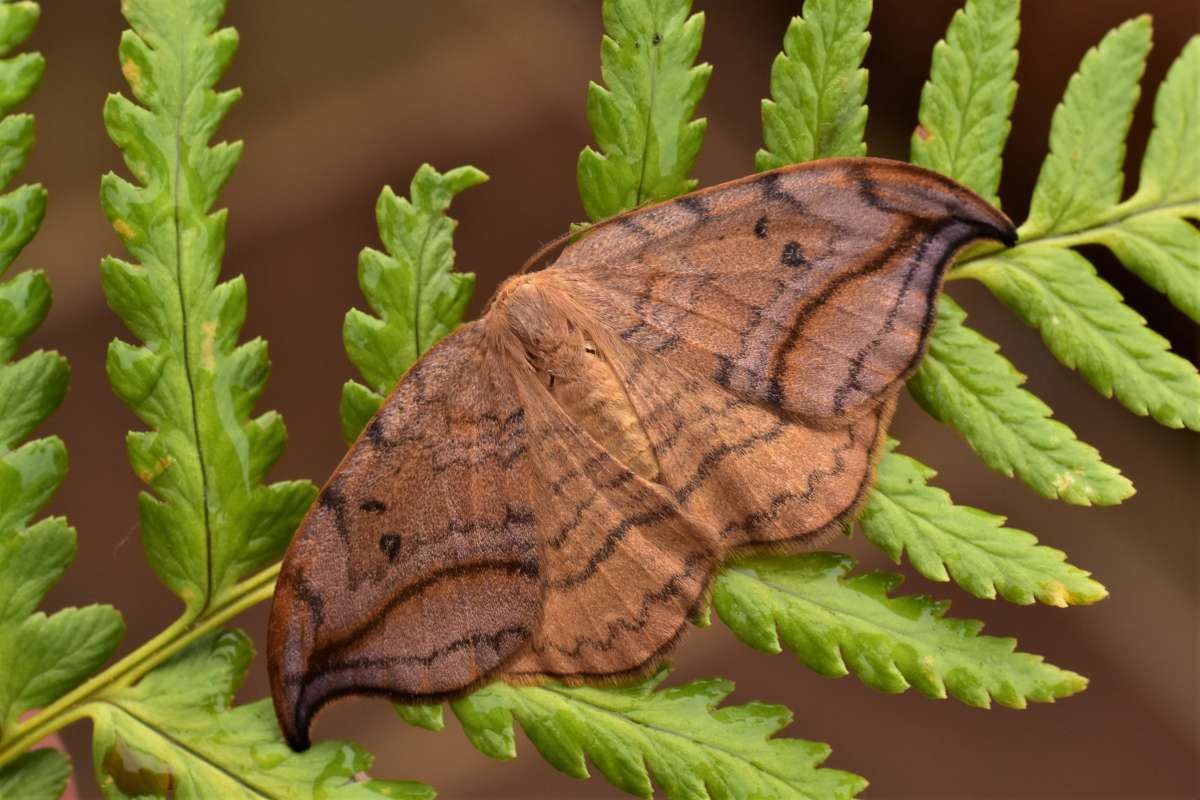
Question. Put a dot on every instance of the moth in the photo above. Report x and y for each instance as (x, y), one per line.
(548, 491)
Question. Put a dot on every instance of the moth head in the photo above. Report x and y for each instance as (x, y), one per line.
(535, 314)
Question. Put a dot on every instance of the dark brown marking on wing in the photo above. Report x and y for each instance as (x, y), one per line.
(852, 382)
(772, 192)
(514, 518)
(793, 255)
(612, 539)
(696, 205)
(655, 657)
(635, 228)
(473, 640)
(670, 590)
(373, 506)
(719, 453)
(313, 601)
(760, 227)
(868, 188)
(375, 434)
(526, 568)
(389, 545)
(757, 519)
(900, 244)
(333, 499)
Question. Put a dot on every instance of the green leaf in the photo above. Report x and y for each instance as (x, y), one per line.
(968, 99)
(29, 477)
(1164, 251)
(412, 288)
(209, 519)
(837, 624)
(945, 541)
(1156, 244)
(642, 121)
(176, 733)
(19, 77)
(21, 213)
(17, 21)
(965, 381)
(1088, 328)
(358, 405)
(677, 736)
(818, 86)
(16, 142)
(24, 303)
(428, 717)
(1081, 178)
(30, 390)
(1076, 201)
(41, 657)
(37, 775)
(1171, 166)
(46, 657)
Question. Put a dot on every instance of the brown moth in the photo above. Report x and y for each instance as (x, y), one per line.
(548, 491)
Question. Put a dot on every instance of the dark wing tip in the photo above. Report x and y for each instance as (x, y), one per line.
(297, 731)
(287, 635)
(1007, 234)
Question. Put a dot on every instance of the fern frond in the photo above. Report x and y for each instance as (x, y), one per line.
(42, 657)
(1088, 328)
(208, 519)
(677, 736)
(1077, 201)
(1153, 239)
(818, 86)
(837, 624)
(643, 120)
(965, 381)
(412, 288)
(944, 541)
(969, 97)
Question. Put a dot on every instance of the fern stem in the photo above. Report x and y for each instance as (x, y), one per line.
(74, 705)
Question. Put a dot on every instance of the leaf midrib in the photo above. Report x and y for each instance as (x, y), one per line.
(177, 222)
(191, 751)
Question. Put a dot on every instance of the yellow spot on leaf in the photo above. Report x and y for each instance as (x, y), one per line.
(1056, 594)
(132, 73)
(923, 133)
(207, 355)
(123, 230)
(159, 468)
(1063, 482)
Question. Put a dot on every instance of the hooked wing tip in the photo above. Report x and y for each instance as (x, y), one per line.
(994, 225)
(288, 637)
(1007, 234)
(297, 733)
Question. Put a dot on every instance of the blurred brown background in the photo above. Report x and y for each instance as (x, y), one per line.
(342, 98)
